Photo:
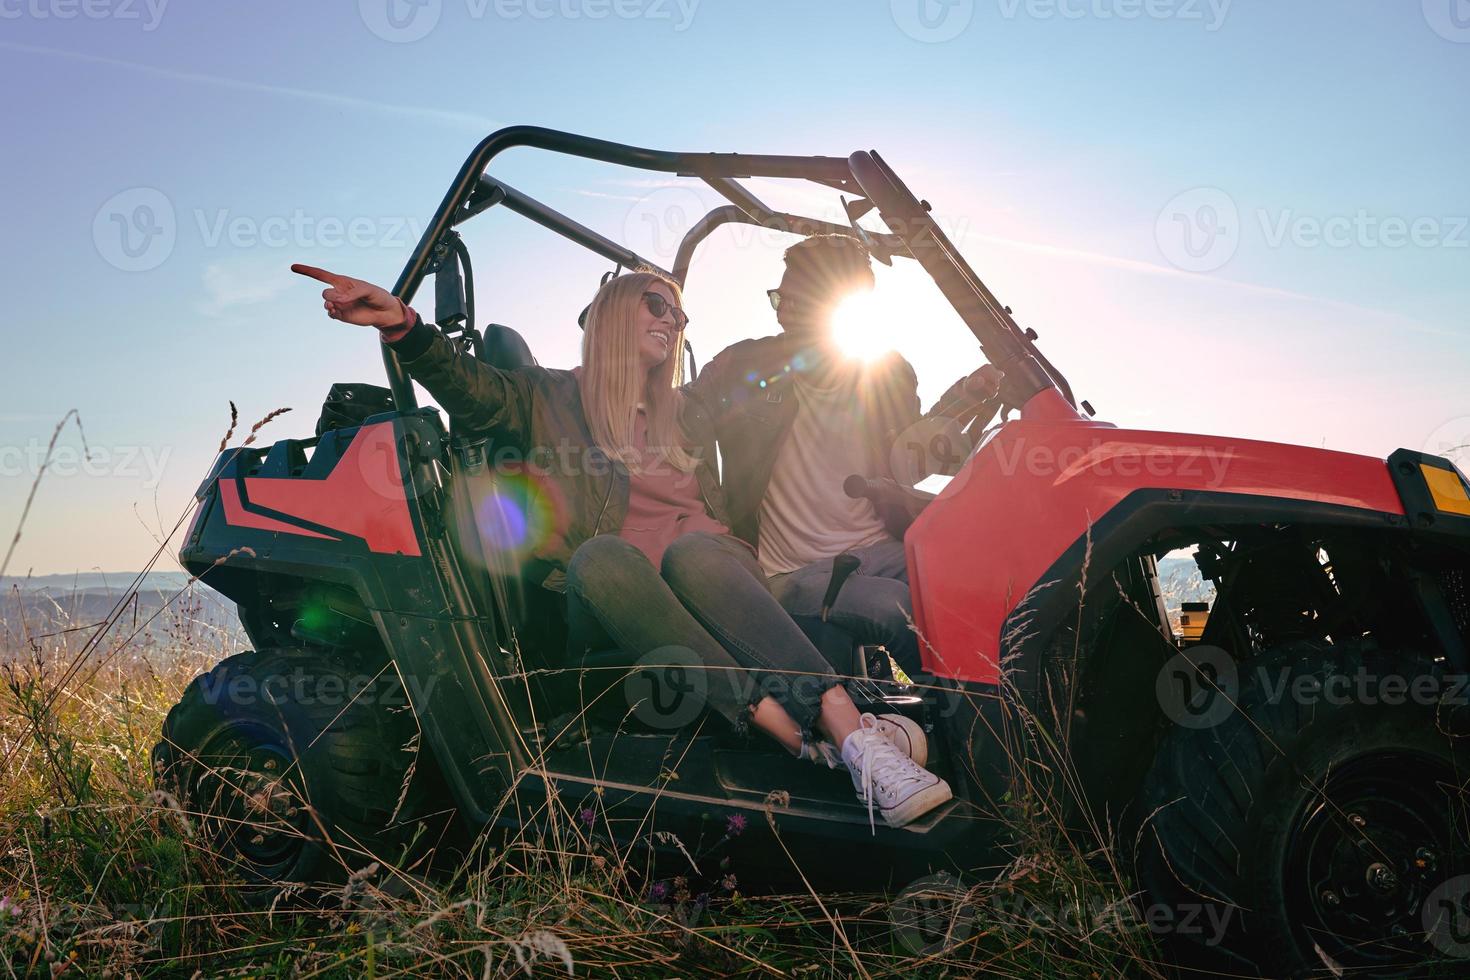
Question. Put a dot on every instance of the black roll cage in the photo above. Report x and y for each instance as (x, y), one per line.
(913, 234)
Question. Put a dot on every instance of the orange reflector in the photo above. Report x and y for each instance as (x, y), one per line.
(1192, 619)
(1447, 489)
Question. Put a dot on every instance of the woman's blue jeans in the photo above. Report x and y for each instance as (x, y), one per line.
(707, 611)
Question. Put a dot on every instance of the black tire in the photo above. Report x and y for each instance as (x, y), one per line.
(1305, 829)
(299, 766)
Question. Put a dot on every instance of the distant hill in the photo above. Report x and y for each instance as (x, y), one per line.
(1182, 581)
(74, 581)
(164, 612)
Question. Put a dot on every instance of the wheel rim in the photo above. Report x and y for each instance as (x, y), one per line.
(1364, 856)
(249, 785)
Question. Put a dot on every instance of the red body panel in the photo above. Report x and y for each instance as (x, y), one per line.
(237, 515)
(363, 496)
(1032, 491)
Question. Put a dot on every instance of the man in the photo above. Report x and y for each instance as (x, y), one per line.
(794, 418)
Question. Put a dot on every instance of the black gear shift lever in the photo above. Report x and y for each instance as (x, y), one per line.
(842, 567)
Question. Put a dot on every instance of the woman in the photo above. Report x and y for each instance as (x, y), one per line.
(641, 546)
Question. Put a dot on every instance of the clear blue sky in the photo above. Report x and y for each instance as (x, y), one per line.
(1324, 141)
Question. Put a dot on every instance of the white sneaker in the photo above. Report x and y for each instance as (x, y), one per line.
(906, 735)
(888, 780)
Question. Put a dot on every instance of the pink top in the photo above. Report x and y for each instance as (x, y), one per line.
(663, 503)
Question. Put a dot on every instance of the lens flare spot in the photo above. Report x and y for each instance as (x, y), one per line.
(517, 518)
(859, 329)
(502, 521)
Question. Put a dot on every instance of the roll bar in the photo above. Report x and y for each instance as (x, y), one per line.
(913, 235)
(793, 224)
(492, 192)
(1006, 345)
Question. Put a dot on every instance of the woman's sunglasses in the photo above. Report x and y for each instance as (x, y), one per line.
(775, 295)
(658, 306)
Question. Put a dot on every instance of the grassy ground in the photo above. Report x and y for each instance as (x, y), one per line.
(100, 875)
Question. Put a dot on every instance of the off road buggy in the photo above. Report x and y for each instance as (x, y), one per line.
(1293, 768)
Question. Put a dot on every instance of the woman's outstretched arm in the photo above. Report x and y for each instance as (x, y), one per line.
(474, 394)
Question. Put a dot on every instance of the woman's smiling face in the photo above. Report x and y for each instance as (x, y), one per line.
(657, 335)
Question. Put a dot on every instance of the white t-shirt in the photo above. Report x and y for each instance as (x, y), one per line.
(805, 516)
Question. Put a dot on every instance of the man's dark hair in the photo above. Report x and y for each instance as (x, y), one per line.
(830, 261)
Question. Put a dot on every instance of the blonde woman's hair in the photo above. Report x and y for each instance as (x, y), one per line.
(613, 382)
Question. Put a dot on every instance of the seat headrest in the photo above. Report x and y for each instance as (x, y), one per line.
(505, 349)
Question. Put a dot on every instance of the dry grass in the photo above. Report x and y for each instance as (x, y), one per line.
(104, 876)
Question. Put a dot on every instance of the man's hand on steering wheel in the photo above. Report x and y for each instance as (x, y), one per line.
(983, 383)
(361, 303)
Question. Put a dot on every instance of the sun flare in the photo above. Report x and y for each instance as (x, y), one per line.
(859, 328)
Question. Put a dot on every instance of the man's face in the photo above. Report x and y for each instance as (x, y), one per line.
(807, 302)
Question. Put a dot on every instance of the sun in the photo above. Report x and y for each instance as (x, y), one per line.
(860, 329)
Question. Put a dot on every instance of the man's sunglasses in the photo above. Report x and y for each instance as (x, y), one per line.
(658, 306)
(775, 295)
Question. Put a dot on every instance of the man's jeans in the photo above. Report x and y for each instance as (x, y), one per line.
(874, 605)
(709, 610)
